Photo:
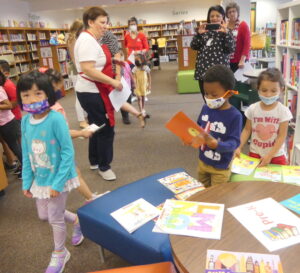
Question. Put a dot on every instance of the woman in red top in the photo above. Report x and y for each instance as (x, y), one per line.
(241, 34)
(134, 40)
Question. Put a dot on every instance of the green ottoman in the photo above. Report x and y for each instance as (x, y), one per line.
(186, 82)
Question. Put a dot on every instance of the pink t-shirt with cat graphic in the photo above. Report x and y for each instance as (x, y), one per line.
(5, 115)
(265, 126)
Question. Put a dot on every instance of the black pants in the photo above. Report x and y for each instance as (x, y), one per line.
(11, 134)
(101, 143)
(125, 114)
(201, 89)
(234, 67)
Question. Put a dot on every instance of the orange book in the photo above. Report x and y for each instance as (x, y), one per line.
(186, 129)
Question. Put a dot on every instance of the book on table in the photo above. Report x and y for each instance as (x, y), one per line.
(219, 261)
(291, 174)
(272, 173)
(186, 129)
(269, 222)
(180, 182)
(196, 219)
(135, 214)
(244, 164)
(292, 203)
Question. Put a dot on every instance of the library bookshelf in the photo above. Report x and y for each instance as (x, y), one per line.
(288, 60)
(29, 49)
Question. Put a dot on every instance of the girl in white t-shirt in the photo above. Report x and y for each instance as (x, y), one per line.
(267, 121)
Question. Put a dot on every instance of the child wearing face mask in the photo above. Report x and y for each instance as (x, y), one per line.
(267, 121)
(142, 78)
(223, 125)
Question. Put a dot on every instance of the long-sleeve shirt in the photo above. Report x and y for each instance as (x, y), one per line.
(242, 38)
(48, 154)
(213, 48)
(226, 127)
(137, 44)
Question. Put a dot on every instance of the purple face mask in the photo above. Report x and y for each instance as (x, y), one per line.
(37, 107)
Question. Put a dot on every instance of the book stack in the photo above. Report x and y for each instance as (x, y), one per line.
(284, 27)
(295, 32)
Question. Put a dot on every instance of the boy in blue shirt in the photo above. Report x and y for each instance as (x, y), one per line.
(223, 124)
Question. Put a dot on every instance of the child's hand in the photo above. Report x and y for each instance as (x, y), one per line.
(237, 153)
(86, 133)
(265, 160)
(27, 193)
(210, 141)
(54, 193)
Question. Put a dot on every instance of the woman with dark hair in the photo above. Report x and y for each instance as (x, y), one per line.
(134, 40)
(241, 33)
(94, 65)
(213, 45)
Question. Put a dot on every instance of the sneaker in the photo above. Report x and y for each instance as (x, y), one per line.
(18, 170)
(58, 261)
(95, 195)
(146, 99)
(133, 98)
(94, 167)
(142, 120)
(77, 236)
(126, 120)
(108, 175)
(20, 176)
(12, 167)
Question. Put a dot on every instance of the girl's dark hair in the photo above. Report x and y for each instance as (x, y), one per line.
(2, 79)
(4, 65)
(42, 82)
(142, 58)
(232, 5)
(132, 19)
(217, 8)
(92, 14)
(54, 75)
(271, 74)
(221, 74)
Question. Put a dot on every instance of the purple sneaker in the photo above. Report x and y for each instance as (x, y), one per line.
(77, 236)
(58, 261)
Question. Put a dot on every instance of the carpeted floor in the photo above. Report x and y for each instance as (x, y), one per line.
(26, 242)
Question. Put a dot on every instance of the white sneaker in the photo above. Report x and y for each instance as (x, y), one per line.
(95, 195)
(133, 99)
(108, 175)
(146, 99)
(94, 167)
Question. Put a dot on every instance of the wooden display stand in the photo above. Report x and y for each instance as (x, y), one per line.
(3, 178)
(186, 55)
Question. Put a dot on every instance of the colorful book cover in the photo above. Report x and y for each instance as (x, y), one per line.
(219, 261)
(292, 203)
(180, 182)
(244, 164)
(186, 129)
(135, 214)
(291, 174)
(196, 219)
(269, 173)
(272, 224)
(186, 194)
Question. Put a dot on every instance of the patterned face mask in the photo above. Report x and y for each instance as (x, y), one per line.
(37, 107)
(217, 103)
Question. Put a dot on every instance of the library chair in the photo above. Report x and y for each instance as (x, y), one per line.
(141, 246)
(164, 267)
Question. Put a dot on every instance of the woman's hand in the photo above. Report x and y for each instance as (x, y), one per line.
(27, 193)
(54, 193)
(86, 133)
(117, 85)
(241, 63)
(223, 27)
(202, 29)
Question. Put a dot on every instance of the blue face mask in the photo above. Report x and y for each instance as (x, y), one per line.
(268, 100)
(37, 107)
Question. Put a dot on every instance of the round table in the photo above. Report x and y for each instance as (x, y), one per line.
(190, 252)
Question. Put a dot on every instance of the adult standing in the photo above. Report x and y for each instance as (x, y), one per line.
(241, 33)
(213, 46)
(75, 29)
(93, 62)
(134, 40)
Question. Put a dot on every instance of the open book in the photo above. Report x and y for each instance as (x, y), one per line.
(186, 129)
(244, 165)
(135, 214)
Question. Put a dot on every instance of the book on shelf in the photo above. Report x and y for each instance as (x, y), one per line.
(284, 30)
(283, 63)
(292, 203)
(244, 164)
(180, 182)
(295, 32)
(196, 219)
(219, 261)
(135, 214)
(295, 70)
(269, 222)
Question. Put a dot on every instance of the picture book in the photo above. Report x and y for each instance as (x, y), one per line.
(186, 194)
(244, 165)
(180, 182)
(291, 174)
(186, 129)
(191, 218)
(218, 261)
(292, 203)
(269, 173)
(135, 214)
(269, 222)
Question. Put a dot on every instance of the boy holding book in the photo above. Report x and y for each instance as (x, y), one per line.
(223, 126)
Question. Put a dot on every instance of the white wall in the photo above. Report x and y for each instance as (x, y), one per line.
(13, 10)
(245, 7)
